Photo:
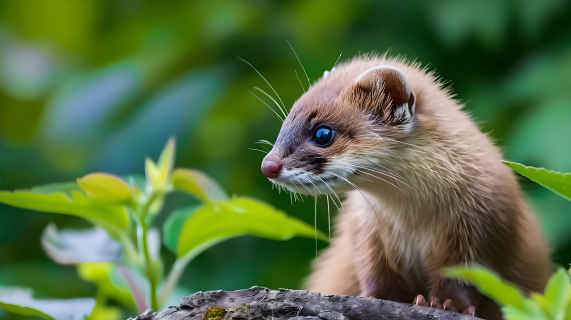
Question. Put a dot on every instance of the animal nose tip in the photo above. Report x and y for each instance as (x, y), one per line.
(271, 168)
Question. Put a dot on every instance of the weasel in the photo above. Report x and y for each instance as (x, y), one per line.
(425, 189)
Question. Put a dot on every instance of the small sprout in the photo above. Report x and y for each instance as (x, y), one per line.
(214, 313)
(159, 174)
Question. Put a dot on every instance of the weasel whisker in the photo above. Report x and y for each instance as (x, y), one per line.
(333, 192)
(279, 117)
(282, 110)
(295, 184)
(258, 150)
(392, 184)
(316, 188)
(357, 172)
(309, 82)
(337, 60)
(389, 176)
(299, 81)
(265, 142)
(303, 184)
(383, 171)
(328, 217)
(361, 192)
(452, 166)
(408, 144)
(315, 225)
(264, 79)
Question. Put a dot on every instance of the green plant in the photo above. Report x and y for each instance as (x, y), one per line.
(122, 253)
(555, 303)
(557, 182)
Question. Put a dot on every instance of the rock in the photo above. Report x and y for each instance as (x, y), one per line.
(259, 303)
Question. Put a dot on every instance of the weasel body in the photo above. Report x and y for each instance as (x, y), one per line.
(425, 189)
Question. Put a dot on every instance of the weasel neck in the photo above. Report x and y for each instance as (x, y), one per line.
(405, 198)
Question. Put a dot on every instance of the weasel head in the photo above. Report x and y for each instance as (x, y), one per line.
(343, 129)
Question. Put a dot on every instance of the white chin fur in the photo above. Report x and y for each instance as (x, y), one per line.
(301, 181)
(307, 188)
(310, 191)
(303, 185)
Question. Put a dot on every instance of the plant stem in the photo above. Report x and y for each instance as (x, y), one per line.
(149, 267)
(172, 279)
(147, 259)
(178, 268)
(131, 253)
(137, 294)
(145, 210)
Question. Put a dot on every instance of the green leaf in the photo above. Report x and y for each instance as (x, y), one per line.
(110, 283)
(104, 311)
(20, 301)
(198, 184)
(540, 301)
(557, 182)
(158, 175)
(219, 221)
(568, 310)
(25, 311)
(105, 187)
(531, 311)
(558, 293)
(166, 160)
(66, 188)
(77, 246)
(489, 284)
(174, 223)
(66, 199)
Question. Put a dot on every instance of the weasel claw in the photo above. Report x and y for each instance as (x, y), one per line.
(420, 301)
(435, 303)
(471, 311)
(446, 304)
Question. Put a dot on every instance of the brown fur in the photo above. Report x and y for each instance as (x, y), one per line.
(457, 203)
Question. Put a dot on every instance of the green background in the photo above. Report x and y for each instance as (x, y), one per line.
(99, 85)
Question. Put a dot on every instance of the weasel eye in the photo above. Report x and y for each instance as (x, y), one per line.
(323, 135)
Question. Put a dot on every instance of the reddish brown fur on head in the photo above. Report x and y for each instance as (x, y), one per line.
(359, 100)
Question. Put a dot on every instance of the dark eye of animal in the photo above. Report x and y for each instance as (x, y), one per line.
(323, 135)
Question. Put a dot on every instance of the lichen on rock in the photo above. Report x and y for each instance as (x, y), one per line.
(215, 313)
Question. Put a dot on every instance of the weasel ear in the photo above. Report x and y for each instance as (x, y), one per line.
(388, 92)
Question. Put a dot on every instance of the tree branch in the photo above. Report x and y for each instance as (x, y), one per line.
(259, 303)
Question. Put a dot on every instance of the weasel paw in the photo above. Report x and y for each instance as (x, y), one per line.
(447, 305)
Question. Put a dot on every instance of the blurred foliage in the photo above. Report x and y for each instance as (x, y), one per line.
(555, 303)
(98, 85)
(124, 214)
(20, 301)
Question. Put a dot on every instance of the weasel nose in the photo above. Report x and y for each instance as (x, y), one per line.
(272, 167)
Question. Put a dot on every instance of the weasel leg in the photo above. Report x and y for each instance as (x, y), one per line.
(334, 270)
